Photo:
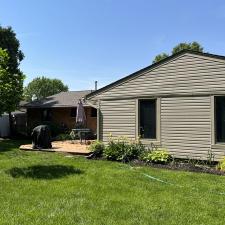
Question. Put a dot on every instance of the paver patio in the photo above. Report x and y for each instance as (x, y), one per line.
(72, 147)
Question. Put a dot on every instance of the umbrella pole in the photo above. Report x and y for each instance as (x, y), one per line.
(80, 137)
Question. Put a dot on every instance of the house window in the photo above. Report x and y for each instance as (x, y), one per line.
(220, 118)
(147, 118)
(93, 112)
(47, 115)
(73, 112)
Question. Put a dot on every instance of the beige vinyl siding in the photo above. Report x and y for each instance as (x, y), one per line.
(185, 85)
(185, 75)
(117, 118)
(186, 126)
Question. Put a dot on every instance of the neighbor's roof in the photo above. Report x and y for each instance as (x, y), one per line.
(17, 112)
(22, 104)
(63, 99)
(152, 66)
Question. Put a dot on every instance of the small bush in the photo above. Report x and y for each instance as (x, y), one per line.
(74, 136)
(115, 149)
(221, 165)
(133, 151)
(54, 127)
(63, 137)
(97, 148)
(157, 156)
(123, 150)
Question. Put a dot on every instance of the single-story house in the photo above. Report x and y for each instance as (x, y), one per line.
(60, 109)
(177, 103)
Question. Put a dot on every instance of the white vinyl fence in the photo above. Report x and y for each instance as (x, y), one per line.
(4, 126)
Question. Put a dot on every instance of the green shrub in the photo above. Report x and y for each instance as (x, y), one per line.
(115, 149)
(157, 156)
(55, 128)
(221, 165)
(63, 137)
(133, 151)
(74, 136)
(97, 147)
(123, 150)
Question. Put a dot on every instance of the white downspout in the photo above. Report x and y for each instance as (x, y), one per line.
(98, 121)
(98, 116)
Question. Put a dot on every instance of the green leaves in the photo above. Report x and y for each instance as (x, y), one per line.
(11, 85)
(123, 150)
(11, 78)
(160, 57)
(9, 41)
(43, 87)
(4, 58)
(221, 165)
(157, 156)
(97, 147)
(194, 46)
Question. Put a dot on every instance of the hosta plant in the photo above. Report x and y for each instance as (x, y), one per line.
(158, 156)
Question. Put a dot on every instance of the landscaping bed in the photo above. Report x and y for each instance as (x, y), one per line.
(137, 154)
(183, 166)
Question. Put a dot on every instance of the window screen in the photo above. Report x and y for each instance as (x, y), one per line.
(220, 118)
(147, 118)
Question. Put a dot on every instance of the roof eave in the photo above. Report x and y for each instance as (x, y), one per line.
(126, 78)
(47, 106)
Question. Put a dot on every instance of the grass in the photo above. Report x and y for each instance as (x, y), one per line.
(50, 188)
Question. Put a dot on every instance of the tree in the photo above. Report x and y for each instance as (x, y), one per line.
(11, 78)
(11, 85)
(160, 57)
(9, 41)
(42, 87)
(194, 46)
(3, 74)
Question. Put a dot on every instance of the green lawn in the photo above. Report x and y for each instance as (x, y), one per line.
(50, 188)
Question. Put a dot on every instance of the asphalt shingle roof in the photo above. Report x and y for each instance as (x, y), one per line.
(63, 99)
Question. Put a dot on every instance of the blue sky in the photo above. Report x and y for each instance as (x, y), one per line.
(80, 41)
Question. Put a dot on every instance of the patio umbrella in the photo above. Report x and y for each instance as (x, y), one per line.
(80, 117)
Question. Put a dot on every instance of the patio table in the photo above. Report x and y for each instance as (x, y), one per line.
(80, 132)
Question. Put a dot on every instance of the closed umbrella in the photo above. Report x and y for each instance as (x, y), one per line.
(80, 117)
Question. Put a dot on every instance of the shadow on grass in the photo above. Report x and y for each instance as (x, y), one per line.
(9, 145)
(44, 172)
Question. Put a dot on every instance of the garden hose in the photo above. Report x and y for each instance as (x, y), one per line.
(166, 182)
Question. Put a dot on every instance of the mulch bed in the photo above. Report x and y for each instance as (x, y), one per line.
(183, 166)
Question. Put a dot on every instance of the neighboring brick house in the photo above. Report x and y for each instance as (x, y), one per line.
(60, 109)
